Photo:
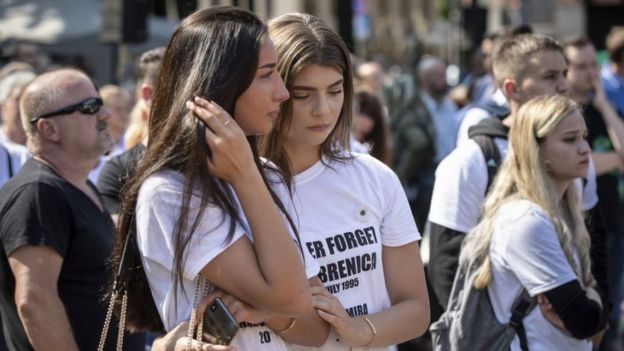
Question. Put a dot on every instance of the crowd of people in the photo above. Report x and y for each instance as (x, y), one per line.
(328, 205)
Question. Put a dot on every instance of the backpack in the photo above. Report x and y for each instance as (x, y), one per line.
(483, 134)
(469, 322)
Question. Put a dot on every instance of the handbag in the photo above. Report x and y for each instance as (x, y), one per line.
(120, 290)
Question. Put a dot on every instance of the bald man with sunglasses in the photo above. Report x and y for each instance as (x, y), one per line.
(55, 234)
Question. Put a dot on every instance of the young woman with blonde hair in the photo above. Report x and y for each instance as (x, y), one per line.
(532, 234)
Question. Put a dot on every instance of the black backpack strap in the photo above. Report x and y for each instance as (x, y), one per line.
(521, 307)
(492, 156)
(483, 134)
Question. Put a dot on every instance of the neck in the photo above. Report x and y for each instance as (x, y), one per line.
(560, 187)
(301, 157)
(115, 135)
(581, 97)
(68, 168)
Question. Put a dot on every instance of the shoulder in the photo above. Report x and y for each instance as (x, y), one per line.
(162, 183)
(368, 164)
(467, 156)
(529, 222)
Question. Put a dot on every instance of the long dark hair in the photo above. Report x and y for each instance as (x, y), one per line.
(371, 106)
(302, 40)
(214, 54)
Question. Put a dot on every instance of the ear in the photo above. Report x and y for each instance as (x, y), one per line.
(147, 93)
(510, 89)
(48, 130)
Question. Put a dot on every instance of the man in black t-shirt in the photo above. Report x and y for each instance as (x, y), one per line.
(55, 234)
(606, 138)
(116, 171)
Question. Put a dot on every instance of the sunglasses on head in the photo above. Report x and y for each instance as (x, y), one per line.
(88, 106)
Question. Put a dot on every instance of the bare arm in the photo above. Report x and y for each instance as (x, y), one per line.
(308, 330)
(606, 162)
(270, 273)
(36, 270)
(407, 318)
(409, 315)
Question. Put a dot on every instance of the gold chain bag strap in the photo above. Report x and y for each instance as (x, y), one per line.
(119, 289)
(196, 326)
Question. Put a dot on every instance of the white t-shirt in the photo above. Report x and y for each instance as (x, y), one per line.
(461, 182)
(12, 157)
(525, 252)
(158, 210)
(345, 213)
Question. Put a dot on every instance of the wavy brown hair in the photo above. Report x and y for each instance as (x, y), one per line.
(302, 40)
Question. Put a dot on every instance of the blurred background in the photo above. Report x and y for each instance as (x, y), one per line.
(104, 37)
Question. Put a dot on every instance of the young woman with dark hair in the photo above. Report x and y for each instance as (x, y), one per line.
(197, 208)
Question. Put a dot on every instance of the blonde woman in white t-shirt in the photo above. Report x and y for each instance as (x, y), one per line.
(532, 233)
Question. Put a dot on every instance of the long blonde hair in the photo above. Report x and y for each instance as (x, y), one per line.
(523, 175)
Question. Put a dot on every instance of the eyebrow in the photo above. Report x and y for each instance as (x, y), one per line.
(268, 65)
(332, 85)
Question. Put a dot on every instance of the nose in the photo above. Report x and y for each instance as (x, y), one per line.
(280, 94)
(104, 113)
(321, 106)
(584, 148)
(562, 85)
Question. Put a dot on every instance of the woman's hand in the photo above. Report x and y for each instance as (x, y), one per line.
(177, 340)
(351, 331)
(231, 158)
(549, 313)
(242, 311)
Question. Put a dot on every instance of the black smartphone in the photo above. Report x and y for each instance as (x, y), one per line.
(219, 323)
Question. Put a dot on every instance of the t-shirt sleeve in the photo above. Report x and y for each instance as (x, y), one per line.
(109, 184)
(397, 225)
(38, 215)
(535, 256)
(158, 211)
(472, 117)
(459, 189)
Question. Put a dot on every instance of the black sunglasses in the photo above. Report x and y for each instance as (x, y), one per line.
(88, 106)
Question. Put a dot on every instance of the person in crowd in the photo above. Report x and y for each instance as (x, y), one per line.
(370, 126)
(117, 101)
(13, 153)
(525, 66)
(55, 234)
(146, 79)
(424, 132)
(117, 169)
(197, 213)
(367, 235)
(482, 88)
(612, 73)
(606, 139)
(434, 94)
(532, 235)
(371, 75)
(11, 87)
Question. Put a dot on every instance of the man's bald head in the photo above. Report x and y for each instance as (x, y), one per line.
(46, 93)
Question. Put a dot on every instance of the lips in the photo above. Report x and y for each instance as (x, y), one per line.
(319, 127)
